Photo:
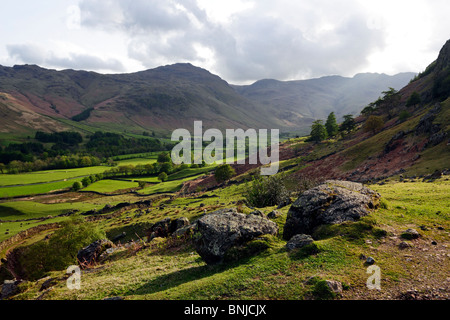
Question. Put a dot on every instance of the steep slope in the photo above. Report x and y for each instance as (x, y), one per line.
(164, 98)
(173, 96)
(293, 101)
(414, 140)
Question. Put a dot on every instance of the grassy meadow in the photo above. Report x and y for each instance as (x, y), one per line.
(171, 269)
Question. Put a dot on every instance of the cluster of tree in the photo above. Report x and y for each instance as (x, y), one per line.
(107, 144)
(384, 105)
(83, 115)
(24, 152)
(66, 137)
(320, 131)
(67, 150)
(59, 162)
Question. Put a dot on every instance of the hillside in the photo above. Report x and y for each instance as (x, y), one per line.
(170, 97)
(160, 99)
(302, 101)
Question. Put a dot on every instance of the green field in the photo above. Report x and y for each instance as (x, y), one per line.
(48, 176)
(33, 189)
(108, 186)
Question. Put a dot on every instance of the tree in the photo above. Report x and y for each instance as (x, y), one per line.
(86, 181)
(318, 131)
(166, 167)
(348, 125)
(331, 125)
(77, 186)
(389, 101)
(162, 176)
(142, 184)
(414, 99)
(223, 173)
(374, 124)
(164, 157)
(369, 109)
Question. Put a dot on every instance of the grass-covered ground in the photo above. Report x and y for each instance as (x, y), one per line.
(171, 269)
(42, 182)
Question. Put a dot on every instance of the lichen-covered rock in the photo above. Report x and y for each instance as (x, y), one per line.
(299, 241)
(220, 230)
(329, 203)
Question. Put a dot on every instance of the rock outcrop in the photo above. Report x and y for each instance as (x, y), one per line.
(89, 254)
(221, 230)
(329, 203)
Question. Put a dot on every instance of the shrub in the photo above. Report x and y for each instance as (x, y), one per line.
(374, 124)
(223, 173)
(414, 99)
(321, 290)
(267, 191)
(162, 176)
(77, 186)
(86, 181)
(61, 250)
(164, 157)
(403, 115)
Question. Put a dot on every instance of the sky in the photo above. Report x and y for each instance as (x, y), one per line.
(242, 41)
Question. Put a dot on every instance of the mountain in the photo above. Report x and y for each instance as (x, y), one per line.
(161, 99)
(169, 97)
(297, 102)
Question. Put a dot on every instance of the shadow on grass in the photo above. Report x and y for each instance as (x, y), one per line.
(177, 278)
(7, 212)
(235, 257)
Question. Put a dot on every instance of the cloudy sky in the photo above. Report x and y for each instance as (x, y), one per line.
(240, 40)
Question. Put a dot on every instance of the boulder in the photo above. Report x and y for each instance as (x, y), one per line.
(257, 213)
(9, 288)
(334, 286)
(299, 241)
(89, 254)
(410, 234)
(221, 230)
(179, 223)
(273, 214)
(332, 202)
(167, 226)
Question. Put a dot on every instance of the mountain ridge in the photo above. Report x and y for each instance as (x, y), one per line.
(169, 97)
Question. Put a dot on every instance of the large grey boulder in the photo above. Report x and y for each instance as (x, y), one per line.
(221, 230)
(332, 202)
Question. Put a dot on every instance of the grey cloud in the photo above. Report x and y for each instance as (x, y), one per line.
(269, 41)
(29, 53)
(33, 54)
